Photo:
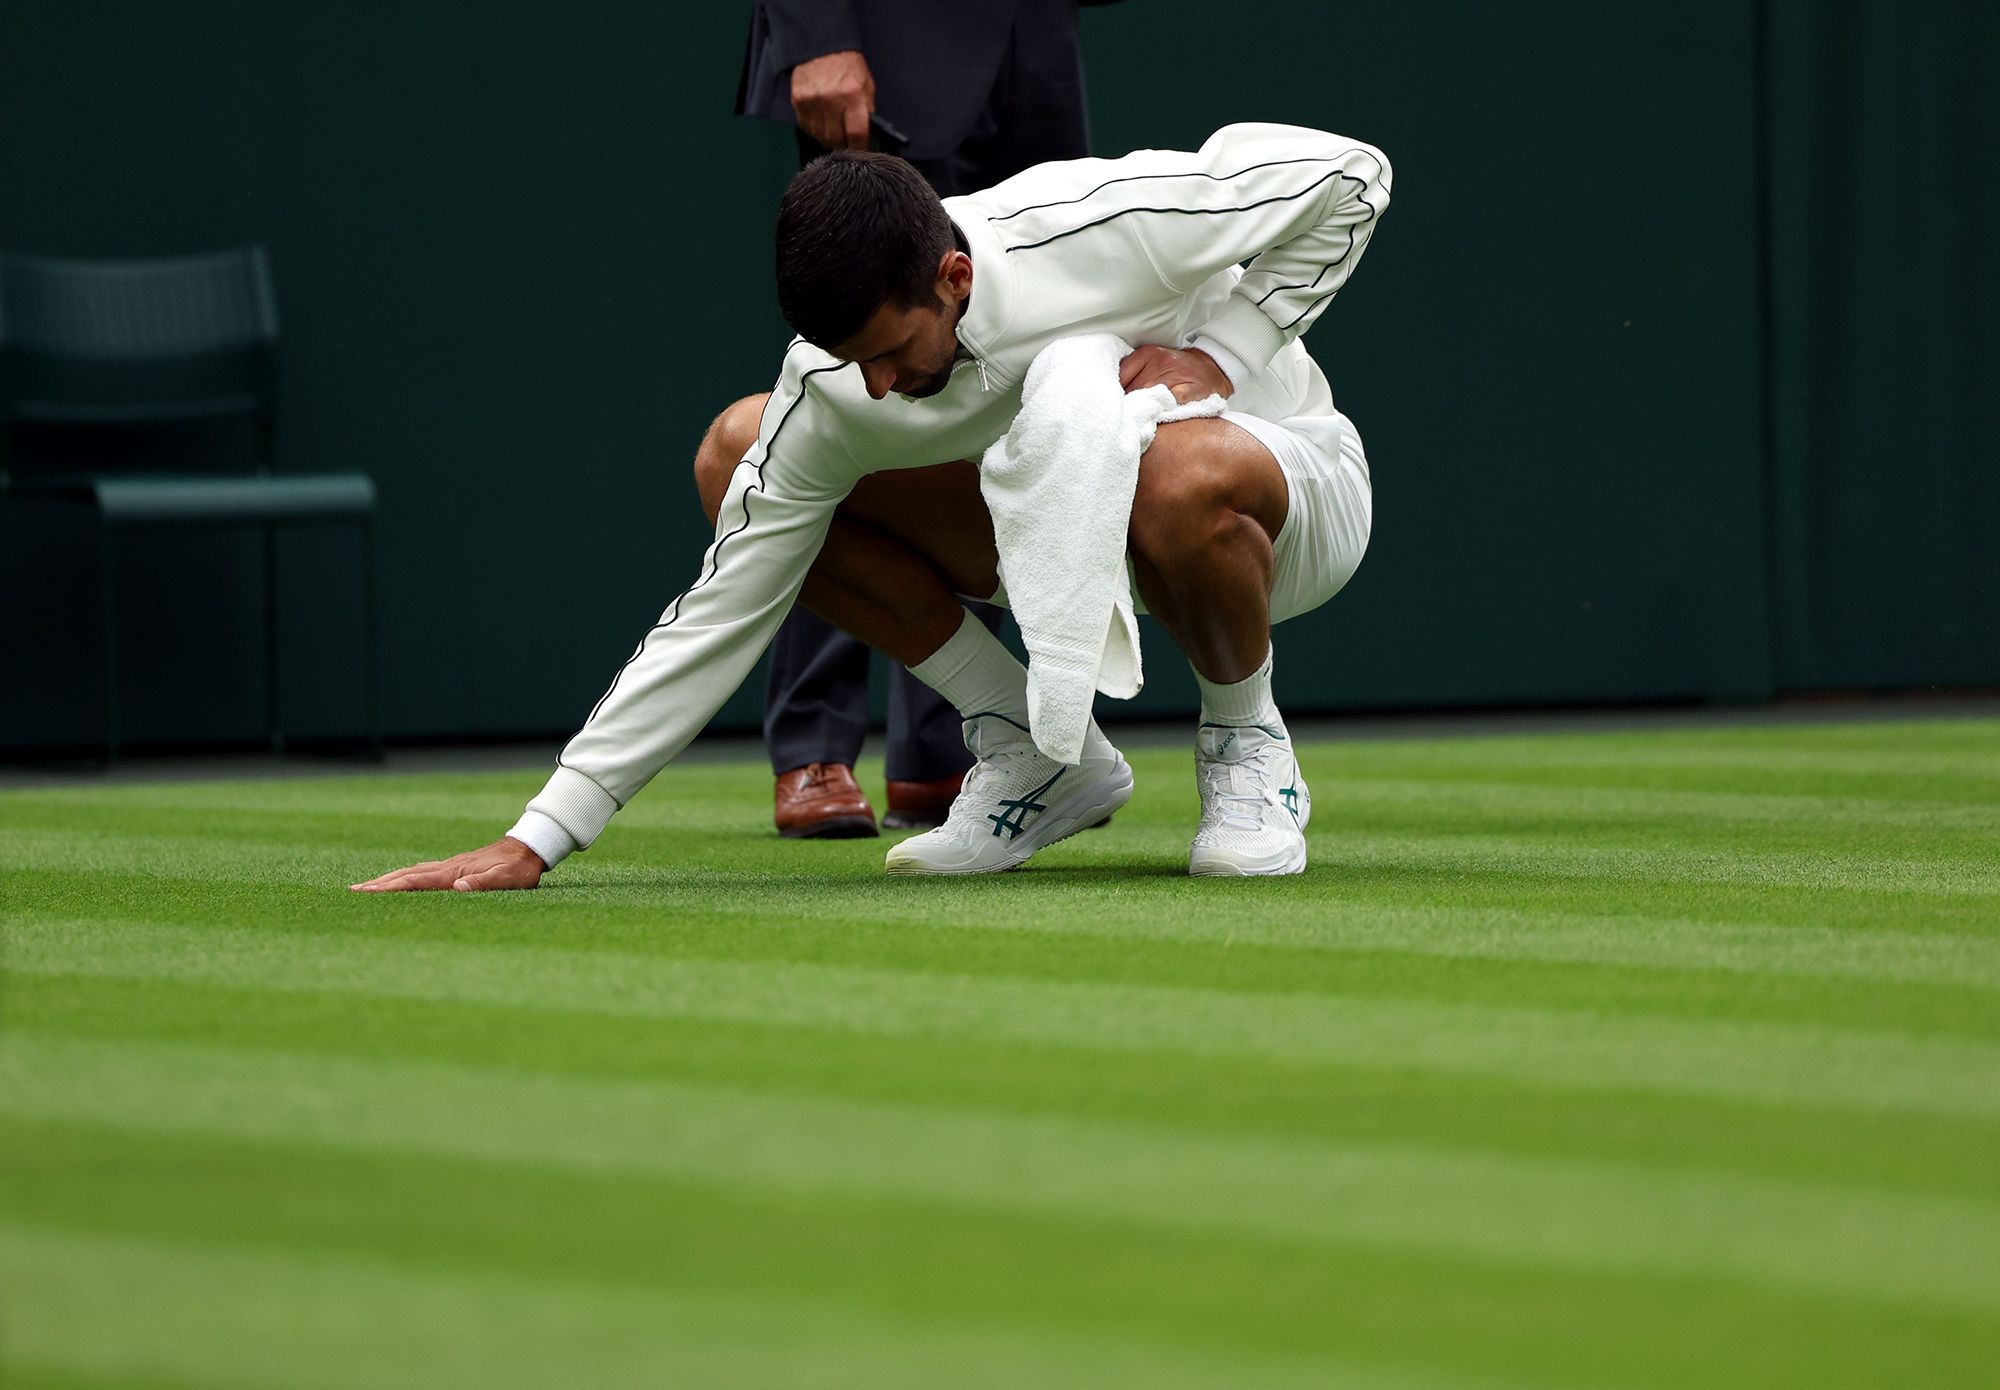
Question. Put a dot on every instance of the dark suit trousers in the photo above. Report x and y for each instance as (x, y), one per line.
(816, 700)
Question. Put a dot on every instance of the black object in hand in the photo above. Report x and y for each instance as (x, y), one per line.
(884, 137)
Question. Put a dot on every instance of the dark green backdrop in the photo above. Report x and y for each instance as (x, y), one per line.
(1674, 356)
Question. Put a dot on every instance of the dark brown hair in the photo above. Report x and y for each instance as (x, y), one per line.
(857, 230)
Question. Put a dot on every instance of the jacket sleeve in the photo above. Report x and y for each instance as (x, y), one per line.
(780, 501)
(805, 29)
(1297, 204)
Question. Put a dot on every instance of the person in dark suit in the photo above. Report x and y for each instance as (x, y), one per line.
(973, 93)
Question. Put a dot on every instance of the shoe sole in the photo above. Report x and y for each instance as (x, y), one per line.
(1220, 869)
(834, 828)
(1097, 811)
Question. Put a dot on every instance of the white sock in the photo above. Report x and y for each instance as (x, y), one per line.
(1247, 701)
(975, 671)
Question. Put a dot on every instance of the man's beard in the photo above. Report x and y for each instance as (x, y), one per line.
(929, 386)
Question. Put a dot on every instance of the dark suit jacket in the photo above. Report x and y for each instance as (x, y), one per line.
(934, 60)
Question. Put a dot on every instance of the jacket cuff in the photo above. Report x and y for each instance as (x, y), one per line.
(801, 32)
(1243, 330)
(1235, 368)
(576, 804)
(551, 843)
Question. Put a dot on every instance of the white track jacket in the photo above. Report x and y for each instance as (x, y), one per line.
(1146, 247)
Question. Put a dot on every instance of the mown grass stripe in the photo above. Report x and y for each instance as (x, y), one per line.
(1773, 1064)
(1540, 1212)
(1219, 1293)
(1668, 862)
(1897, 1151)
(1469, 932)
(1975, 768)
(111, 1308)
(1674, 808)
(1573, 938)
(655, 879)
(201, 853)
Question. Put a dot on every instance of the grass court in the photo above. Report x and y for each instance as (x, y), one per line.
(1658, 1059)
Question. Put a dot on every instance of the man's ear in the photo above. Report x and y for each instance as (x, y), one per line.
(955, 275)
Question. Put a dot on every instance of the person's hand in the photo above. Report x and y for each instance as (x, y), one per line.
(833, 96)
(506, 863)
(1189, 373)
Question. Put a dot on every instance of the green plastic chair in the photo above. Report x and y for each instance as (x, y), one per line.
(90, 345)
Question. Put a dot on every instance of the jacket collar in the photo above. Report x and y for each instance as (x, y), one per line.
(983, 327)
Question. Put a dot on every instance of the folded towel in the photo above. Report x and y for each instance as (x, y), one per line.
(1059, 486)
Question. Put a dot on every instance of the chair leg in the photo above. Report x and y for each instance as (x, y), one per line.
(272, 729)
(107, 555)
(371, 660)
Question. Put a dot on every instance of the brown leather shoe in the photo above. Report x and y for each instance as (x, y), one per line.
(821, 801)
(921, 805)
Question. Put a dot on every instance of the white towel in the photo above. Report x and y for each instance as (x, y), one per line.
(1059, 486)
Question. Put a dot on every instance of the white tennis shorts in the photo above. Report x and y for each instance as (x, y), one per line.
(1331, 506)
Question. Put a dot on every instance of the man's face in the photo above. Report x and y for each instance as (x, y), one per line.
(910, 351)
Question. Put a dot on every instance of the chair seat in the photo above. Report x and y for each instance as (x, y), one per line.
(131, 412)
(300, 497)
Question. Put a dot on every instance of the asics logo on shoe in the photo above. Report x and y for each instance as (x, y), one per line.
(1223, 747)
(1265, 729)
(1013, 817)
(1291, 796)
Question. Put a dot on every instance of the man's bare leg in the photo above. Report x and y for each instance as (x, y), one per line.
(903, 546)
(1209, 505)
(1210, 500)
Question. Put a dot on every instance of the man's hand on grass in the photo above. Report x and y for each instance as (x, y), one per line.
(1189, 373)
(506, 863)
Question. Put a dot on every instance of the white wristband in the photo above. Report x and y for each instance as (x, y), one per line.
(1235, 368)
(545, 836)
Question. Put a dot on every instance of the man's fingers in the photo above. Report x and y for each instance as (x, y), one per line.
(386, 880)
(417, 876)
(819, 117)
(812, 122)
(1140, 363)
(497, 877)
(1190, 376)
(856, 118)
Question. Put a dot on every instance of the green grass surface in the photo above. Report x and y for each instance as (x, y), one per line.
(1665, 1059)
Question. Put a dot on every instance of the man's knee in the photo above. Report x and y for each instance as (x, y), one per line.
(1197, 485)
(728, 440)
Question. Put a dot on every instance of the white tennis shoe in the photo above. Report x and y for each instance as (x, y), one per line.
(1014, 802)
(1254, 802)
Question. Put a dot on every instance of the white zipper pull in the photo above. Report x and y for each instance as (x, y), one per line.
(984, 384)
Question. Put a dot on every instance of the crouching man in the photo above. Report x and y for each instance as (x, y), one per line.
(851, 484)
